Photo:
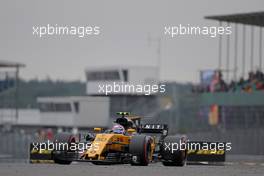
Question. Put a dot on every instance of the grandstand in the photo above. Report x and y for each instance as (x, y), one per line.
(237, 106)
(255, 81)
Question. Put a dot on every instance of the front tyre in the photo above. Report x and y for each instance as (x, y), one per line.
(140, 149)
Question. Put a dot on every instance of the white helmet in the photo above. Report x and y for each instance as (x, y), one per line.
(118, 129)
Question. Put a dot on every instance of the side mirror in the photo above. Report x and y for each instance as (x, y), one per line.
(97, 130)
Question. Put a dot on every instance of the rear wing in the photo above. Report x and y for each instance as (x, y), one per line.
(154, 128)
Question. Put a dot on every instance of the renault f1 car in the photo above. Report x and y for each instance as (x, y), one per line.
(128, 142)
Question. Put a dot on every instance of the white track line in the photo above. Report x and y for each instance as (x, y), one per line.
(250, 164)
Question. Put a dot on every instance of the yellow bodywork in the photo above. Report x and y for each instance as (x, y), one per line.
(106, 142)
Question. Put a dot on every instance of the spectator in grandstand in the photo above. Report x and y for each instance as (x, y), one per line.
(260, 80)
(249, 83)
(232, 86)
(218, 84)
(240, 84)
(255, 82)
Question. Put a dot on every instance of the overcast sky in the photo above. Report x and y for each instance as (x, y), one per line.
(125, 27)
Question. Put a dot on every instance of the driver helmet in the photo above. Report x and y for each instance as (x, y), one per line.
(118, 129)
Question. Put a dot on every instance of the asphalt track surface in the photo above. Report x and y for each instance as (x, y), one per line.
(87, 169)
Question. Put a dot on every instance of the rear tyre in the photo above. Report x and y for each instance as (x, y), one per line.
(62, 156)
(140, 148)
(172, 158)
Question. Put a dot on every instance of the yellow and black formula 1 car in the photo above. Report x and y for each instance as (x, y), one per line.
(128, 141)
